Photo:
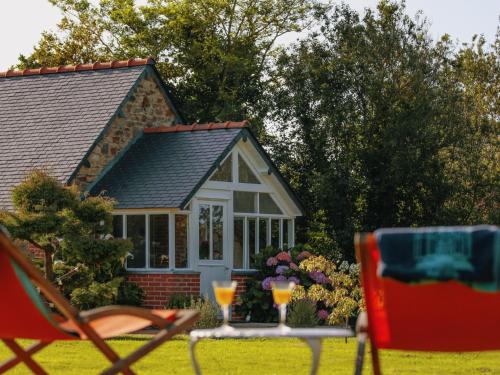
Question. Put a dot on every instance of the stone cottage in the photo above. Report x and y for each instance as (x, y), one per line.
(196, 200)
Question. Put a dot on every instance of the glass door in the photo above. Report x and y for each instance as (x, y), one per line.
(212, 244)
(211, 221)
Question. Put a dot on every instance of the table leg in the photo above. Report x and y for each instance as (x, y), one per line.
(315, 345)
(194, 362)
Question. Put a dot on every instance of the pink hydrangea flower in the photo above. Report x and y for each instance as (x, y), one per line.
(303, 255)
(272, 261)
(284, 257)
(293, 266)
(323, 314)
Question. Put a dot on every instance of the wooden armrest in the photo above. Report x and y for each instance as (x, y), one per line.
(101, 312)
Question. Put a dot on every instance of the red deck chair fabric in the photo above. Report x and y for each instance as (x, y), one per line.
(443, 316)
(23, 314)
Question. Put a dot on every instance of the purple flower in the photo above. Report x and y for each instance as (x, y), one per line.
(294, 279)
(293, 266)
(319, 277)
(303, 255)
(272, 261)
(266, 283)
(280, 270)
(323, 314)
(284, 256)
(280, 278)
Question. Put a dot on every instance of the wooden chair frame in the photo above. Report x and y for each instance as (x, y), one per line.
(82, 320)
(362, 326)
(441, 323)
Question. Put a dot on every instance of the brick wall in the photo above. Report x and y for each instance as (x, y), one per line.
(159, 287)
(36, 252)
(241, 278)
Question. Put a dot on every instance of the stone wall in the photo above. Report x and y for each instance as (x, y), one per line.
(146, 107)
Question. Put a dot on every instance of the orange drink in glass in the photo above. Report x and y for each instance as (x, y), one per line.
(224, 296)
(282, 294)
(224, 293)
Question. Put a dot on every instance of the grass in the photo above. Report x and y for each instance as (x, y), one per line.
(256, 356)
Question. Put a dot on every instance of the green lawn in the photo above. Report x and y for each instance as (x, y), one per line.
(260, 356)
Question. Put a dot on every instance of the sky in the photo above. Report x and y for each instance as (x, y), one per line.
(22, 21)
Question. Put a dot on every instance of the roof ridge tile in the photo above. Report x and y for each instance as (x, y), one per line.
(78, 67)
(198, 127)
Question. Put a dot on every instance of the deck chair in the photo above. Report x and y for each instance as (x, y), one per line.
(429, 289)
(24, 315)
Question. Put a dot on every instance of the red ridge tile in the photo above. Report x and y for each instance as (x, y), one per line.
(77, 68)
(198, 127)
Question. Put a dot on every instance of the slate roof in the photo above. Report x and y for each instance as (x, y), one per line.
(173, 163)
(51, 120)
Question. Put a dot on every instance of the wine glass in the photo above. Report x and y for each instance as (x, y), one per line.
(224, 294)
(282, 294)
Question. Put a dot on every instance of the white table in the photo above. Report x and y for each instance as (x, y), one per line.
(312, 336)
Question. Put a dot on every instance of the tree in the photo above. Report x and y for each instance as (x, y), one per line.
(214, 54)
(41, 204)
(378, 126)
(73, 229)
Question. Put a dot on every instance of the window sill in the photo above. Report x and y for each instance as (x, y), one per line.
(165, 271)
(244, 272)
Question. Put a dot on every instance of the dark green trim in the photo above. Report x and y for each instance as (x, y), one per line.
(245, 132)
(113, 162)
(166, 93)
(148, 69)
(216, 163)
(275, 170)
(118, 113)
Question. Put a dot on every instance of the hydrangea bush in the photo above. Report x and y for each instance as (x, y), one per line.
(334, 288)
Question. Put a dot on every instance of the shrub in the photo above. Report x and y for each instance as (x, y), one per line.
(208, 312)
(334, 288)
(180, 301)
(96, 294)
(303, 313)
(130, 294)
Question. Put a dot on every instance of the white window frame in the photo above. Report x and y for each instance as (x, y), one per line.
(224, 206)
(171, 238)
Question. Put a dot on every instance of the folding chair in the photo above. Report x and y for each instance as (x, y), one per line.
(429, 289)
(24, 315)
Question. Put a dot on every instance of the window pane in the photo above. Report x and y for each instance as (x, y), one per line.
(251, 240)
(136, 232)
(158, 241)
(262, 234)
(245, 201)
(204, 221)
(181, 233)
(286, 245)
(245, 173)
(225, 171)
(217, 235)
(238, 242)
(267, 205)
(275, 233)
(117, 226)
